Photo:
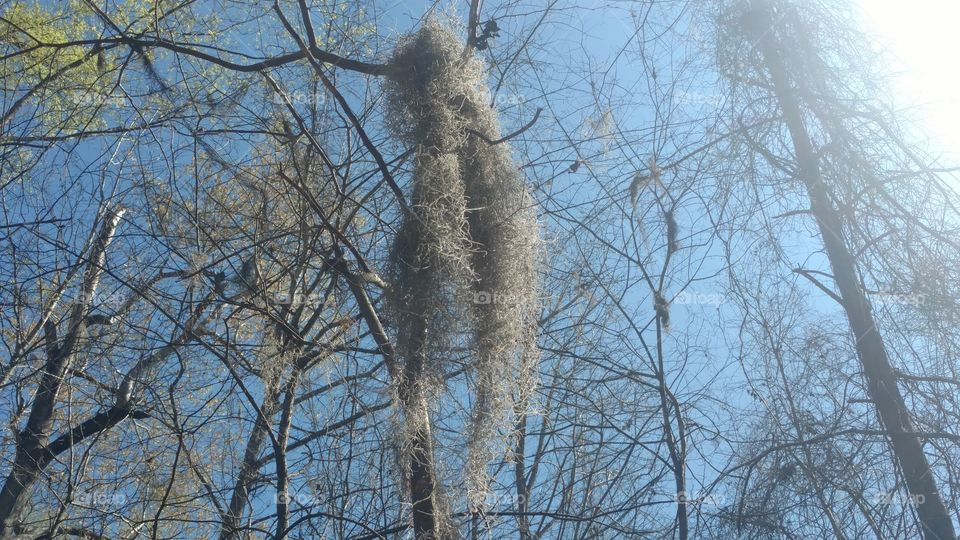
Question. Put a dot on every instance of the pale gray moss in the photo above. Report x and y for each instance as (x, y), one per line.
(472, 234)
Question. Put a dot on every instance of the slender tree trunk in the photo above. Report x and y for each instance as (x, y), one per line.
(33, 453)
(422, 481)
(880, 376)
(421, 478)
(283, 480)
(230, 527)
(416, 409)
(520, 476)
(676, 448)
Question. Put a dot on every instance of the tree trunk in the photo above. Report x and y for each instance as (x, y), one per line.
(421, 478)
(249, 470)
(33, 454)
(520, 475)
(422, 481)
(880, 377)
(420, 439)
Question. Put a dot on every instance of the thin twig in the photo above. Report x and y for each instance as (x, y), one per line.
(506, 138)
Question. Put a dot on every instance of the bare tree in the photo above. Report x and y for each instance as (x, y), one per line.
(315, 269)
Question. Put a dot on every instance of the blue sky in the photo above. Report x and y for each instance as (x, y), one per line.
(919, 38)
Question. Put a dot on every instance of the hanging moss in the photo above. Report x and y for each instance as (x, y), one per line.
(672, 243)
(465, 260)
(662, 309)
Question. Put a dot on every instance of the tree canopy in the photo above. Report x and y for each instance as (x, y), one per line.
(324, 269)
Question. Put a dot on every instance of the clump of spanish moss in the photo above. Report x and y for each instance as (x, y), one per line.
(662, 309)
(638, 180)
(672, 244)
(465, 261)
(641, 180)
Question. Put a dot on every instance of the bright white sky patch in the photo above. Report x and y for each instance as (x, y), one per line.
(924, 36)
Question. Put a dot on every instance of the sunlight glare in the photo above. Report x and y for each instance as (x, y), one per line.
(924, 41)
